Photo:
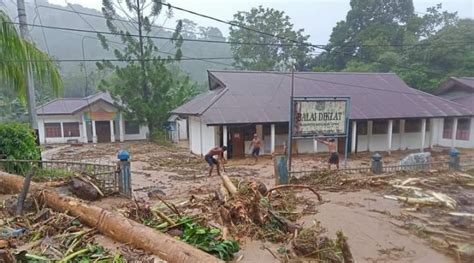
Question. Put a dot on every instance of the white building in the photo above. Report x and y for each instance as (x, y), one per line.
(385, 113)
(459, 90)
(91, 119)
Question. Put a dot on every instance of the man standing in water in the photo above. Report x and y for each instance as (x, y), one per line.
(209, 157)
(256, 147)
(332, 147)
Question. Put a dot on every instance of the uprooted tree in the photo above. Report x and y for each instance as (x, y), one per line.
(146, 86)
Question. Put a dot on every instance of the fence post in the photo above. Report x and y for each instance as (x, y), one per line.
(125, 182)
(281, 169)
(377, 167)
(454, 160)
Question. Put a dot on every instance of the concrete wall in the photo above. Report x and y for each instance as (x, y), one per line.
(457, 143)
(58, 119)
(142, 135)
(201, 137)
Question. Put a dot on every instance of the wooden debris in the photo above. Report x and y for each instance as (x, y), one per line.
(285, 186)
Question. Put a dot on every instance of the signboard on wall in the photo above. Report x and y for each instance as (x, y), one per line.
(101, 116)
(320, 117)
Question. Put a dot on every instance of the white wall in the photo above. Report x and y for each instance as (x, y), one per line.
(182, 129)
(139, 136)
(201, 137)
(457, 143)
(58, 119)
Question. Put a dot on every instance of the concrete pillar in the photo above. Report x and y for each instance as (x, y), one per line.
(224, 139)
(121, 127)
(455, 131)
(433, 131)
(259, 131)
(402, 133)
(94, 135)
(315, 145)
(62, 130)
(369, 133)
(112, 132)
(84, 129)
(423, 134)
(354, 137)
(390, 135)
(272, 138)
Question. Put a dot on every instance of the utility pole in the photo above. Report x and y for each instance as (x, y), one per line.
(290, 124)
(142, 61)
(30, 82)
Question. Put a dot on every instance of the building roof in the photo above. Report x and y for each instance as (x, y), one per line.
(464, 83)
(466, 101)
(263, 97)
(65, 106)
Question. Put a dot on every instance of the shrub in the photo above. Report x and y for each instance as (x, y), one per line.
(17, 142)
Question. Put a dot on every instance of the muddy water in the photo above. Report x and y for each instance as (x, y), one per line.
(371, 235)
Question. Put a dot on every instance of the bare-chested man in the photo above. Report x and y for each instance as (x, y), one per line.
(256, 143)
(209, 157)
(332, 147)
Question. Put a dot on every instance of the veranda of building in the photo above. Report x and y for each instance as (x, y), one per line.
(385, 113)
(91, 119)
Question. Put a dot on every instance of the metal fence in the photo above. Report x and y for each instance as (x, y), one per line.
(439, 166)
(104, 175)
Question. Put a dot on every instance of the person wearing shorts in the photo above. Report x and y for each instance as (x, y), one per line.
(255, 146)
(209, 158)
(332, 147)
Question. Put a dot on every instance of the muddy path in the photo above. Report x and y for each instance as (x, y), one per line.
(370, 222)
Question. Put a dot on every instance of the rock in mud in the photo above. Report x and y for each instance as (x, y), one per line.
(416, 161)
(84, 189)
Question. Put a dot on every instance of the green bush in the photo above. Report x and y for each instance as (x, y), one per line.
(17, 142)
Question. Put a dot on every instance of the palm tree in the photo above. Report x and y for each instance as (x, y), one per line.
(16, 53)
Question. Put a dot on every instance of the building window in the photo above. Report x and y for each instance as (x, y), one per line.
(463, 130)
(281, 128)
(413, 125)
(361, 128)
(52, 130)
(448, 128)
(132, 127)
(71, 129)
(380, 127)
(396, 126)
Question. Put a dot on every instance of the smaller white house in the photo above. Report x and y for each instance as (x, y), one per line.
(91, 119)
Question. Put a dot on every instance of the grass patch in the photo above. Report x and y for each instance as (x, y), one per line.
(47, 174)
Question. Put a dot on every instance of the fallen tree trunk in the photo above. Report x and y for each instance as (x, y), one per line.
(115, 225)
(228, 184)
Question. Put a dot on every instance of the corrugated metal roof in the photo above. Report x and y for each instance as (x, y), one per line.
(71, 105)
(263, 97)
(466, 101)
(468, 81)
(465, 83)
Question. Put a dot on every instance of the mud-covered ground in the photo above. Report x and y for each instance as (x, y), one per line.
(376, 227)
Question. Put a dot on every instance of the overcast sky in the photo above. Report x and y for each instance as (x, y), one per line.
(317, 17)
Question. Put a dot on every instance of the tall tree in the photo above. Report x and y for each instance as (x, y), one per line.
(15, 54)
(275, 53)
(143, 84)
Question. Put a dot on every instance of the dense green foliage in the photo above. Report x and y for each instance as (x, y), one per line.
(15, 54)
(207, 239)
(268, 57)
(387, 36)
(147, 85)
(17, 142)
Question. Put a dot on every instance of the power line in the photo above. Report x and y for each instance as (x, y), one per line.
(121, 60)
(123, 20)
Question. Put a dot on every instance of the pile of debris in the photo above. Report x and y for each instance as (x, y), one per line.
(46, 236)
(440, 208)
(240, 210)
